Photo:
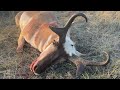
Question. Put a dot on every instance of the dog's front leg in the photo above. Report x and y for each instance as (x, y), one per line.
(21, 42)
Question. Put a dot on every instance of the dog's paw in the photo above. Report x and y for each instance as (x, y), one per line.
(19, 50)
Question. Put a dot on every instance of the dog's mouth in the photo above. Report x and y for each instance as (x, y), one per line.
(36, 68)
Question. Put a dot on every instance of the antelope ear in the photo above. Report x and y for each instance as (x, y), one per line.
(58, 31)
(61, 32)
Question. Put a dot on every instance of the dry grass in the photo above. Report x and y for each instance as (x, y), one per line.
(100, 33)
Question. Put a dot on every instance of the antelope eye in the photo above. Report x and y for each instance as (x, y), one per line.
(72, 45)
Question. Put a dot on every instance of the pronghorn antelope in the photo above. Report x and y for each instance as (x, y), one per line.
(42, 31)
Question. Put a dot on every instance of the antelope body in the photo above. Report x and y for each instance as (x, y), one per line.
(42, 31)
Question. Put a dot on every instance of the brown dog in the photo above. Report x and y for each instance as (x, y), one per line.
(42, 31)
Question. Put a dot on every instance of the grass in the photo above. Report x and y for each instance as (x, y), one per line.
(100, 33)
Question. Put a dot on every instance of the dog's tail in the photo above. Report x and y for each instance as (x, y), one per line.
(17, 18)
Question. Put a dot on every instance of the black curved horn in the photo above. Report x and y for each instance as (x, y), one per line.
(63, 31)
(72, 18)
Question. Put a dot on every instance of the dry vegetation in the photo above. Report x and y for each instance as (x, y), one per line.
(102, 32)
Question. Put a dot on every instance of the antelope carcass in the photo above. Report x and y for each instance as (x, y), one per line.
(42, 31)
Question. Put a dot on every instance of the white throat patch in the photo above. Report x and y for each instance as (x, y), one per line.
(69, 47)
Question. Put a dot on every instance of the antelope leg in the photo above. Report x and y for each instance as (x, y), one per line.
(80, 66)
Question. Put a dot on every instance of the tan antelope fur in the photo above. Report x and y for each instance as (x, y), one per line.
(41, 30)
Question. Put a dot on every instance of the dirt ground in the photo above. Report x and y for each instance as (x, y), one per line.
(100, 33)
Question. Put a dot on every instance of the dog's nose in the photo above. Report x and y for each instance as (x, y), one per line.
(33, 67)
(36, 67)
